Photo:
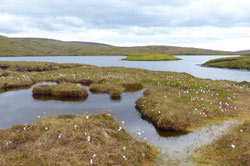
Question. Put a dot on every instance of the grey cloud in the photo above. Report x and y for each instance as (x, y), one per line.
(115, 14)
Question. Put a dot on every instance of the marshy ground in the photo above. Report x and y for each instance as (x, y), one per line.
(172, 101)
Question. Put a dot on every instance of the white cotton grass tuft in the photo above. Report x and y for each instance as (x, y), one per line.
(124, 157)
(87, 117)
(8, 143)
(46, 128)
(60, 136)
(75, 126)
(88, 138)
(91, 161)
(120, 128)
(233, 146)
(241, 131)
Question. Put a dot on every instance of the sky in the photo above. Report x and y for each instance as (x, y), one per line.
(211, 24)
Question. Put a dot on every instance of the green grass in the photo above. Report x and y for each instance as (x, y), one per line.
(47, 47)
(175, 101)
(242, 62)
(150, 57)
(229, 150)
(73, 140)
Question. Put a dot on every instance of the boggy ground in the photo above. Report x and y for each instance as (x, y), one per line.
(73, 140)
(172, 101)
(229, 150)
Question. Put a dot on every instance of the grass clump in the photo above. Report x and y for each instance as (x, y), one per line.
(105, 87)
(242, 62)
(132, 86)
(73, 140)
(150, 57)
(99, 88)
(229, 150)
(61, 90)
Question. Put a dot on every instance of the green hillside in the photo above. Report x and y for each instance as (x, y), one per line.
(48, 47)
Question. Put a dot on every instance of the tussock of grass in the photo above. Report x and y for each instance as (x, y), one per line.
(99, 88)
(150, 57)
(61, 90)
(102, 87)
(132, 86)
(231, 149)
(72, 140)
(242, 62)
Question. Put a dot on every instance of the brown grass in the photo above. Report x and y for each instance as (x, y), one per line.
(62, 90)
(63, 140)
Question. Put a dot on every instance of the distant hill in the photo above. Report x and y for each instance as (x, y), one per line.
(245, 51)
(90, 43)
(50, 47)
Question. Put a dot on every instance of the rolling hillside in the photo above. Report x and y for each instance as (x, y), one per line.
(49, 47)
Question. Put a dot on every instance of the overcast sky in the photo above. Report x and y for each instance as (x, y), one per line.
(213, 24)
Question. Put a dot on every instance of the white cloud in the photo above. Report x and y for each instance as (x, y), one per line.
(214, 24)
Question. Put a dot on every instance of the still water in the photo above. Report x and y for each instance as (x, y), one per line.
(189, 64)
(19, 107)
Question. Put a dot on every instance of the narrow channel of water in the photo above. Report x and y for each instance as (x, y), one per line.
(19, 107)
(189, 64)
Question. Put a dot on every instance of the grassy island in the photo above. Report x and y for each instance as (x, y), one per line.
(73, 140)
(242, 62)
(150, 57)
(231, 149)
(61, 90)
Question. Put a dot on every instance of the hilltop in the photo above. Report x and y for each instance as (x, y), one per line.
(50, 47)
